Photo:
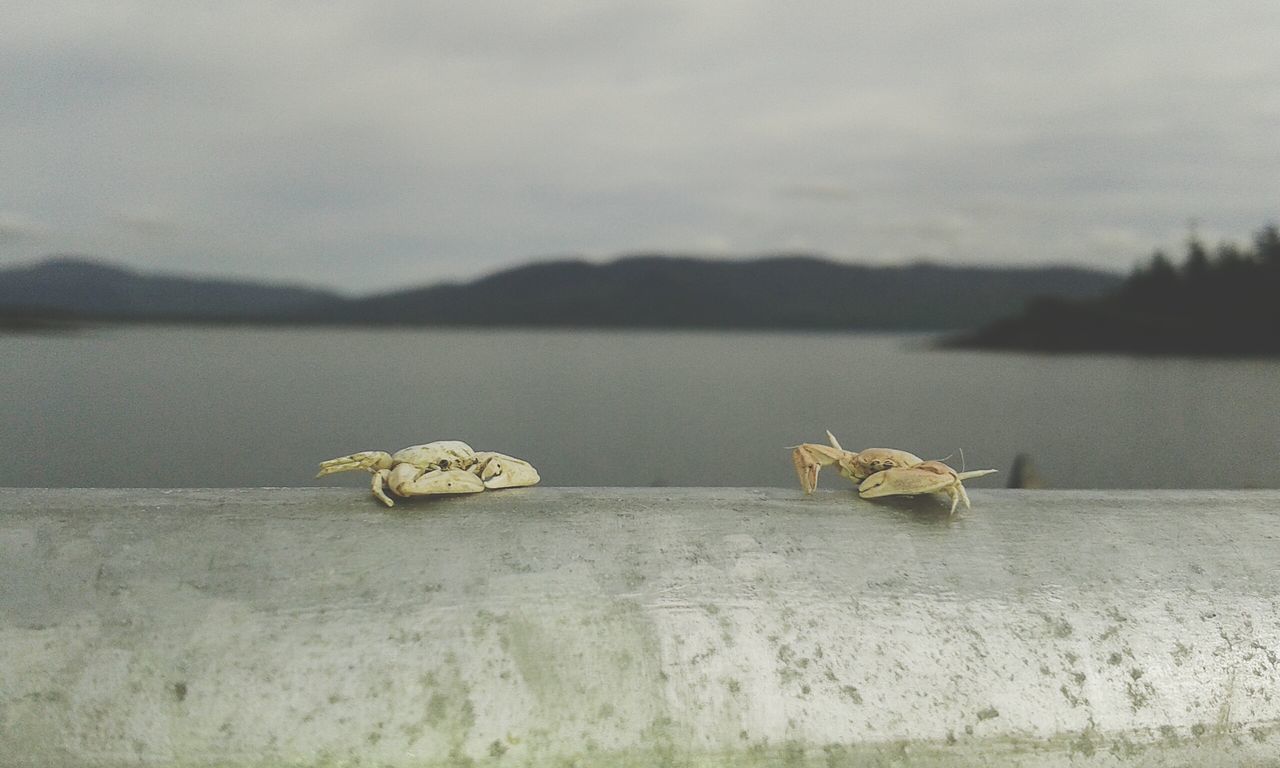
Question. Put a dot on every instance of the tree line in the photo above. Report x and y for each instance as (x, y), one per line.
(1225, 287)
(1222, 302)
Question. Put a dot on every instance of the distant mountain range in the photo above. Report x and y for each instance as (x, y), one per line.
(649, 291)
(72, 286)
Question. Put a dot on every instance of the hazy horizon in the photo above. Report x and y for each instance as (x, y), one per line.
(392, 143)
(315, 283)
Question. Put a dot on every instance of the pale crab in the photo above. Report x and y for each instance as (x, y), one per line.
(882, 471)
(444, 466)
(810, 458)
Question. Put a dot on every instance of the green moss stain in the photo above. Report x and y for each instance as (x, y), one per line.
(595, 673)
(1139, 691)
(851, 693)
(662, 746)
(448, 716)
(1084, 744)
(1058, 626)
(437, 708)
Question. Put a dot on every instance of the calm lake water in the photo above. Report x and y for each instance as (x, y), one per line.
(200, 407)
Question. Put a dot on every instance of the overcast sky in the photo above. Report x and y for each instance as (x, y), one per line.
(365, 145)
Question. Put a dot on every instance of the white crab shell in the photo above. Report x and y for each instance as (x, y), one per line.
(442, 454)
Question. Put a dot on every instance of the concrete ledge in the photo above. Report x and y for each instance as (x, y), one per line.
(597, 626)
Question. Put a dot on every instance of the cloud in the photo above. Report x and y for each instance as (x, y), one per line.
(816, 190)
(146, 221)
(395, 141)
(15, 226)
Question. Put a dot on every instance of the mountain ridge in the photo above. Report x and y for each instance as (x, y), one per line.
(93, 288)
(646, 290)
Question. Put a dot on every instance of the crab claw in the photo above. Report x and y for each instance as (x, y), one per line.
(408, 480)
(370, 460)
(926, 477)
(498, 470)
(809, 458)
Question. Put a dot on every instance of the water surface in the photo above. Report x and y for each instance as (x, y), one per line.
(186, 407)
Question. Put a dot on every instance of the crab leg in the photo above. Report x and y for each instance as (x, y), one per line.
(370, 460)
(379, 479)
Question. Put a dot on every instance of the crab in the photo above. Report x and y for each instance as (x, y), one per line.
(810, 458)
(883, 471)
(444, 466)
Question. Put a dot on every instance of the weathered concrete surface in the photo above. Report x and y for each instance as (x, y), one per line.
(282, 627)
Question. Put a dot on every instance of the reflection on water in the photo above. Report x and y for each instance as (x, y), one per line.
(213, 407)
